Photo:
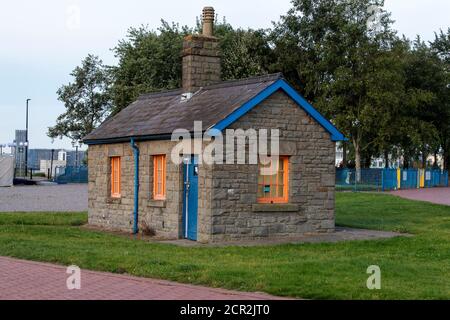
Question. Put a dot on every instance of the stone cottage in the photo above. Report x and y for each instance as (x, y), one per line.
(135, 183)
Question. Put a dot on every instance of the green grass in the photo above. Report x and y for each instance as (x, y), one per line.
(412, 267)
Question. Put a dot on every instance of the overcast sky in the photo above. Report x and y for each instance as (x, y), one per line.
(41, 43)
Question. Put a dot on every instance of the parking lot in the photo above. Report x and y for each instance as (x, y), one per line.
(44, 198)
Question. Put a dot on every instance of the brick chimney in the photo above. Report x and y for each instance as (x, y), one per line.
(201, 56)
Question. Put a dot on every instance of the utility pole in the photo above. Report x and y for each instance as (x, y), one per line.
(51, 164)
(26, 141)
(75, 144)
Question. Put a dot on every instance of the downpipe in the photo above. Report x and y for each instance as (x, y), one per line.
(136, 186)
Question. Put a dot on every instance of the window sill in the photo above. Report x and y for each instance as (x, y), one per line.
(156, 203)
(274, 207)
(114, 200)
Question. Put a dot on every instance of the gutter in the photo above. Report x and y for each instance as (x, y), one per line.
(126, 139)
(136, 186)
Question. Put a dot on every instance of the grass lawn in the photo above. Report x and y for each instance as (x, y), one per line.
(412, 267)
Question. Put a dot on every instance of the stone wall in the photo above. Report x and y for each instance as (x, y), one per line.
(164, 217)
(117, 214)
(235, 212)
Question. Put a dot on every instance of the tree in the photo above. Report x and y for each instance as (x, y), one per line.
(441, 47)
(245, 53)
(150, 60)
(328, 50)
(87, 100)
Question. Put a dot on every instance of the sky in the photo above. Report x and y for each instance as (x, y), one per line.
(43, 41)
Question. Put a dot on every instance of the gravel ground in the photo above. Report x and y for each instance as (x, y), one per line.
(341, 234)
(67, 197)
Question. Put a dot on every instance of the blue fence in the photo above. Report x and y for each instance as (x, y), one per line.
(389, 179)
(72, 174)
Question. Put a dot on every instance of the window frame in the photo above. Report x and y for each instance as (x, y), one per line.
(116, 166)
(285, 197)
(156, 177)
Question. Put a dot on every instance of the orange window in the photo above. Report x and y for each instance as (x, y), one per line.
(159, 177)
(115, 177)
(273, 184)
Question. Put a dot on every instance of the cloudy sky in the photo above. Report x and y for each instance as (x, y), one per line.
(42, 41)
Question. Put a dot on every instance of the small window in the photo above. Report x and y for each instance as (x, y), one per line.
(115, 177)
(274, 188)
(159, 177)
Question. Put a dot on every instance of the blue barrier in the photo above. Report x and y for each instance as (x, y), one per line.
(408, 179)
(72, 174)
(388, 179)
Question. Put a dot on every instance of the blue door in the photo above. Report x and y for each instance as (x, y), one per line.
(190, 198)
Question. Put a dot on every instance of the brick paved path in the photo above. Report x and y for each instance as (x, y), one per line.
(435, 195)
(29, 280)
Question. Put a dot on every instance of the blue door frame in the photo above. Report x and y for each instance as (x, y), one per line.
(190, 198)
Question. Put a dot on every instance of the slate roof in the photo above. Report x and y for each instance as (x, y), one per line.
(159, 114)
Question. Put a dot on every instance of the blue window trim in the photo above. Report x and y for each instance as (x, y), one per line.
(336, 135)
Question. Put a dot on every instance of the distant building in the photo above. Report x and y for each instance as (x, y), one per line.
(72, 158)
(36, 155)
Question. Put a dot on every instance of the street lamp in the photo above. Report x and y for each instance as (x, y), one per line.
(76, 144)
(26, 140)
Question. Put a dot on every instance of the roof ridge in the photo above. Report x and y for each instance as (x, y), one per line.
(245, 81)
(158, 94)
(222, 84)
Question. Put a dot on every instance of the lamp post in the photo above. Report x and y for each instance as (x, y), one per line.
(76, 145)
(51, 165)
(26, 140)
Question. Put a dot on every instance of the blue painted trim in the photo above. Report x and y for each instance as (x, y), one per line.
(336, 135)
(136, 186)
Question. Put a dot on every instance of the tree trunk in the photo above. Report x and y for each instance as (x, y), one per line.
(436, 164)
(357, 160)
(386, 159)
(424, 160)
(344, 154)
(446, 158)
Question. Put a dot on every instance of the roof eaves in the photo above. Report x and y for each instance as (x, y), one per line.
(336, 135)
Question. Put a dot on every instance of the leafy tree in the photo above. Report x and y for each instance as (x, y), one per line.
(86, 99)
(441, 47)
(245, 53)
(327, 48)
(150, 60)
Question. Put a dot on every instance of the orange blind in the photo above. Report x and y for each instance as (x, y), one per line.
(274, 188)
(159, 177)
(115, 177)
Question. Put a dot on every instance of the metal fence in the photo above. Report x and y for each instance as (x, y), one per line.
(71, 174)
(389, 179)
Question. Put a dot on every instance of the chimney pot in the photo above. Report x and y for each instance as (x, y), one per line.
(208, 21)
